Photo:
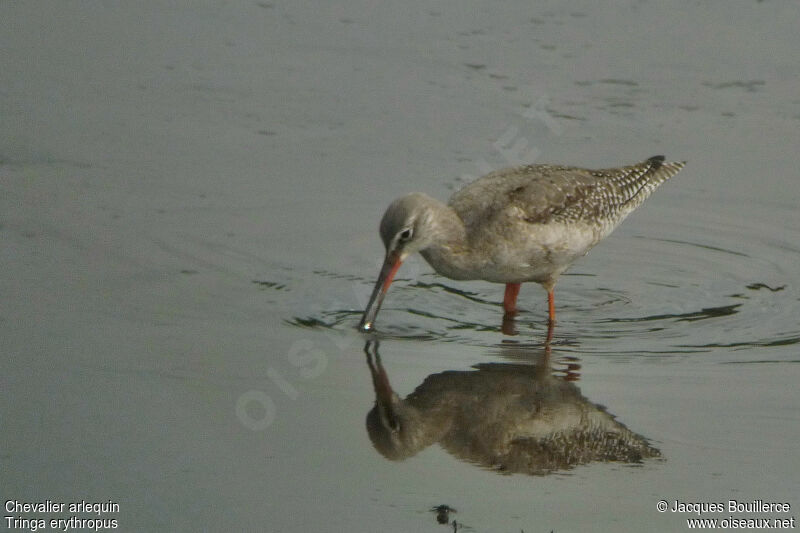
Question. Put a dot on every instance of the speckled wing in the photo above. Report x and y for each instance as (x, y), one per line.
(541, 194)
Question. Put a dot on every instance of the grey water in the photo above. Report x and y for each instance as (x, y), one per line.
(188, 235)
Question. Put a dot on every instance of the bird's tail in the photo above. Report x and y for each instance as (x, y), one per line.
(659, 171)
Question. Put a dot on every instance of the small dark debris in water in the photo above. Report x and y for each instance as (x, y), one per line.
(269, 285)
(189, 271)
(475, 66)
(268, 133)
(443, 514)
(265, 5)
(759, 286)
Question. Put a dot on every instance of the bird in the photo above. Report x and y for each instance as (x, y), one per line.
(515, 225)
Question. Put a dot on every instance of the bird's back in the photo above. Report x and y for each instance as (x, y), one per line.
(545, 194)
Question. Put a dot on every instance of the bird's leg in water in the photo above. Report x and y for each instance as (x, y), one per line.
(510, 298)
(508, 327)
(551, 307)
(510, 307)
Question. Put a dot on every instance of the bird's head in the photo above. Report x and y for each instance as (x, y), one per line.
(408, 226)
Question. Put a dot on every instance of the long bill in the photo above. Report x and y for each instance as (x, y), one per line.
(388, 270)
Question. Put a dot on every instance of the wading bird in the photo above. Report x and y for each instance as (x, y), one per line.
(514, 225)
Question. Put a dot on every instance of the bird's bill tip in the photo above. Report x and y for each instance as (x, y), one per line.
(390, 266)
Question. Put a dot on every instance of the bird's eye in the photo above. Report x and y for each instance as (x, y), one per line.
(406, 234)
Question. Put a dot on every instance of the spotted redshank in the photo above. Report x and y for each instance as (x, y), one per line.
(514, 225)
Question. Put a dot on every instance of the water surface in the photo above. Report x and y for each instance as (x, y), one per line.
(188, 234)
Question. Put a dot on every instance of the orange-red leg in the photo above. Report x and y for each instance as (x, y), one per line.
(510, 298)
(551, 306)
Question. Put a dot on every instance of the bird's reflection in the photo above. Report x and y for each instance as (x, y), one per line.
(509, 417)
